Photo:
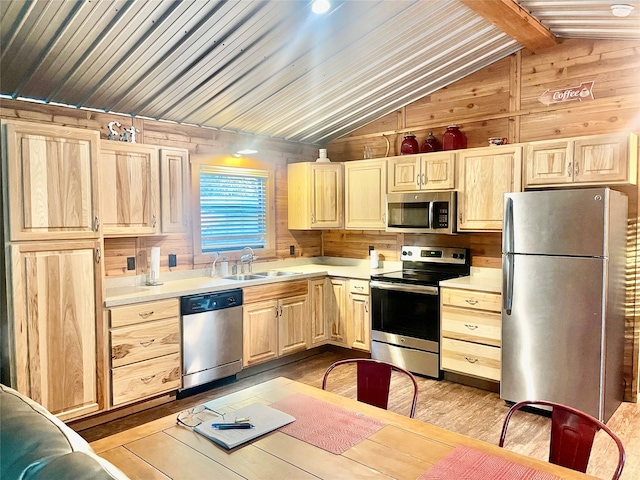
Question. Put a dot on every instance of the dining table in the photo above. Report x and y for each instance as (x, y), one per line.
(333, 437)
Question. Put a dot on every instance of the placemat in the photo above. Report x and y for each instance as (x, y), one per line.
(465, 463)
(324, 425)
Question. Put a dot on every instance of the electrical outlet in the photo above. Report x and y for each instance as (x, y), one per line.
(173, 261)
(131, 263)
(292, 250)
(371, 247)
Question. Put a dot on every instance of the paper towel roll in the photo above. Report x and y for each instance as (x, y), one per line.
(374, 259)
(154, 274)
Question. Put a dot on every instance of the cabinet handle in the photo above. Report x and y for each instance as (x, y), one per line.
(470, 326)
(470, 359)
(460, 217)
(146, 314)
(280, 311)
(146, 343)
(97, 255)
(276, 309)
(147, 379)
(185, 220)
(96, 223)
(418, 180)
(153, 220)
(313, 218)
(423, 182)
(366, 307)
(569, 170)
(358, 287)
(471, 301)
(577, 169)
(384, 218)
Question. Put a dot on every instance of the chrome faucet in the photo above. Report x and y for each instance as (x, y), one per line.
(247, 258)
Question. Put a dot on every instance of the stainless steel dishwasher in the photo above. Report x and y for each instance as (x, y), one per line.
(211, 336)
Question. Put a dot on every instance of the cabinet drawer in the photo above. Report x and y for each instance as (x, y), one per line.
(359, 286)
(471, 299)
(144, 312)
(135, 343)
(471, 325)
(470, 358)
(144, 379)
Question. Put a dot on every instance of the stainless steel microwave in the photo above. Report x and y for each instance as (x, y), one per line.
(423, 212)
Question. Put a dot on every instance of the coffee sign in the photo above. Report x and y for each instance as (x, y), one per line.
(582, 92)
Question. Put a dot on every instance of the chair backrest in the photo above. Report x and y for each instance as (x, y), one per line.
(374, 380)
(572, 435)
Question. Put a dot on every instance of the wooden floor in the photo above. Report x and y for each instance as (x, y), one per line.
(467, 410)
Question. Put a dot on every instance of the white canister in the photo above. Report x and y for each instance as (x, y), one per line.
(374, 260)
(224, 267)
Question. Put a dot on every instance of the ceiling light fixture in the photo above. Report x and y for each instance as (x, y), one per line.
(247, 151)
(320, 6)
(620, 10)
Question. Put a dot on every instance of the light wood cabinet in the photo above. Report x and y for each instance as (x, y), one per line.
(593, 160)
(484, 176)
(145, 350)
(56, 293)
(337, 312)
(429, 171)
(471, 332)
(359, 316)
(174, 196)
(315, 196)
(129, 188)
(365, 189)
(319, 301)
(52, 181)
(275, 321)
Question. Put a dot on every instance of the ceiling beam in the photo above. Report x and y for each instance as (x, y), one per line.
(515, 21)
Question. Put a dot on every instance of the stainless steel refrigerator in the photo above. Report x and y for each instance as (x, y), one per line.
(563, 262)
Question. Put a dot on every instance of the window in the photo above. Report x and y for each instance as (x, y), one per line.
(234, 209)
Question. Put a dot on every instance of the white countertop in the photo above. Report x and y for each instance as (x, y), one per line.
(482, 279)
(123, 292)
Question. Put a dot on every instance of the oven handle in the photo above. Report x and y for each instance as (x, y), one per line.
(403, 287)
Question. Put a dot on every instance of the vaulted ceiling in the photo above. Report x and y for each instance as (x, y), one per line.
(272, 68)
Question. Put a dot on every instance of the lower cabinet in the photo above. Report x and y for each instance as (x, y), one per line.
(275, 321)
(471, 332)
(359, 317)
(319, 300)
(145, 350)
(336, 311)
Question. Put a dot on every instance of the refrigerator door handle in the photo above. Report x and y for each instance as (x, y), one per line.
(507, 282)
(507, 230)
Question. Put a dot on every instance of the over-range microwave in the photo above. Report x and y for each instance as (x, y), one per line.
(423, 212)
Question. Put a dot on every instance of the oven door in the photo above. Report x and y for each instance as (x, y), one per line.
(405, 312)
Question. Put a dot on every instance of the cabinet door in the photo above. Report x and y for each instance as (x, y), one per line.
(174, 181)
(437, 171)
(319, 292)
(56, 288)
(549, 163)
(603, 159)
(51, 180)
(129, 189)
(359, 331)
(326, 196)
(404, 173)
(293, 325)
(336, 311)
(365, 190)
(260, 332)
(484, 176)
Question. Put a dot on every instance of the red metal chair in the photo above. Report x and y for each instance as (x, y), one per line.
(374, 380)
(572, 434)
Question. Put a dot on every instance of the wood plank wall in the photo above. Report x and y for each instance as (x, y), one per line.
(502, 100)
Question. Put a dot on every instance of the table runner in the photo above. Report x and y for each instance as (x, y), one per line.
(324, 425)
(465, 463)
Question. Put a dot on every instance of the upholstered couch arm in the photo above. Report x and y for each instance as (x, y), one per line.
(34, 444)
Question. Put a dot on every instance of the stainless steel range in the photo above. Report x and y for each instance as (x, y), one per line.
(405, 307)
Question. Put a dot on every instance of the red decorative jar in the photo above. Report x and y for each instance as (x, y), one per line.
(409, 145)
(431, 144)
(454, 138)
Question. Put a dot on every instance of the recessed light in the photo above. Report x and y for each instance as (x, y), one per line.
(320, 6)
(621, 10)
(247, 151)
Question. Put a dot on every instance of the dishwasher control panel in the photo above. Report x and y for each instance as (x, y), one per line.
(208, 302)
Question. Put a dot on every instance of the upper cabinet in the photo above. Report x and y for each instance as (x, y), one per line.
(51, 181)
(130, 189)
(429, 171)
(315, 197)
(365, 187)
(484, 176)
(174, 199)
(594, 160)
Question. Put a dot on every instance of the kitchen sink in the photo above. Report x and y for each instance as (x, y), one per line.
(248, 276)
(279, 273)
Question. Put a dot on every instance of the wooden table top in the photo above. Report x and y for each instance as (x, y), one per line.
(404, 448)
